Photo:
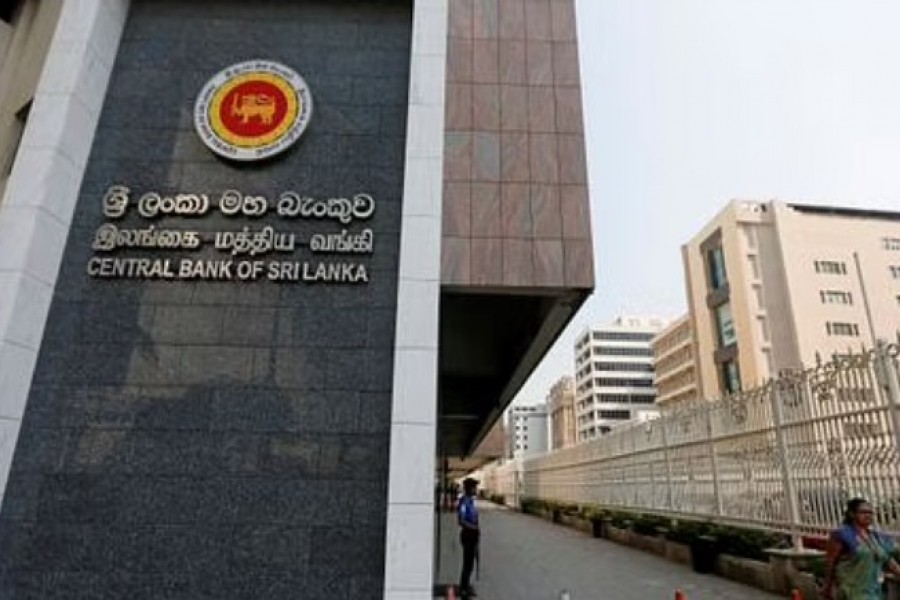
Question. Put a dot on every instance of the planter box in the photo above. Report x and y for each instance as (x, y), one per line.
(578, 522)
(750, 572)
(680, 553)
(648, 543)
(620, 536)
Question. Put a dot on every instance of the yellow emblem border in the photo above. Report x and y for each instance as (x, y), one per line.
(294, 109)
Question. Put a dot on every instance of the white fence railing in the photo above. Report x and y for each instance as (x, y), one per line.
(785, 456)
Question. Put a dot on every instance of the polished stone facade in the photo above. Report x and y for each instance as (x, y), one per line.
(220, 440)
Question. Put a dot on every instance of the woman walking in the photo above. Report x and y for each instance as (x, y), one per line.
(856, 557)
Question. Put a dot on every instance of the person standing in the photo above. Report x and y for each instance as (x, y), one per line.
(856, 557)
(469, 535)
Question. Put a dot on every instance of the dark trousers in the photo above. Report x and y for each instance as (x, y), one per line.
(469, 540)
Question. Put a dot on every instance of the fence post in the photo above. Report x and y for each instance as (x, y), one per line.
(714, 463)
(892, 386)
(790, 492)
(670, 504)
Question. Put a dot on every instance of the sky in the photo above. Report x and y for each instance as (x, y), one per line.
(691, 103)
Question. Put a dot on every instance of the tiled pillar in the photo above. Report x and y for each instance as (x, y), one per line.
(410, 533)
(515, 210)
(42, 190)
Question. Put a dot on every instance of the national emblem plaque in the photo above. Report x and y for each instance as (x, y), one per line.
(253, 110)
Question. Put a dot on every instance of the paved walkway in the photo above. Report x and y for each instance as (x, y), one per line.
(526, 558)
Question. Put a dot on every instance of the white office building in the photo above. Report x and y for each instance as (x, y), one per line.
(614, 374)
(528, 428)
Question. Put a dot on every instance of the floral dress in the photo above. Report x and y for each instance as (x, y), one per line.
(861, 564)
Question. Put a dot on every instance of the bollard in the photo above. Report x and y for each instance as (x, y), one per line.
(679, 595)
(796, 595)
(564, 595)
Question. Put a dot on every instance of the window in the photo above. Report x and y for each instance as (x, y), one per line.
(895, 271)
(731, 377)
(716, 265)
(623, 367)
(615, 382)
(889, 243)
(618, 415)
(725, 325)
(16, 137)
(830, 267)
(627, 399)
(622, 336)
(846, 329)
(9, 9)
(835, 297)
(623, 351)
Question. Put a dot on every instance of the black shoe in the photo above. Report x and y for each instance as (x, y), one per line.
(469, 593)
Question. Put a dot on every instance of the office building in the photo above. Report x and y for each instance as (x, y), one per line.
(674, 369)
(245, 247)
(772, 285)
(528, 428)
(561, 402)
(614, 374)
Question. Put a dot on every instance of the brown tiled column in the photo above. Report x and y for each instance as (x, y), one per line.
(515, 185)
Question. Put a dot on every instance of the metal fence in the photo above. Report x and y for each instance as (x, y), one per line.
(785, 456)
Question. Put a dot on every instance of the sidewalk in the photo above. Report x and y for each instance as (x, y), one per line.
(526, 558)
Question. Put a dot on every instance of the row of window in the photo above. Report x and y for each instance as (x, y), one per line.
(835, 297)
(619, 415)
(846, 329)
(831, 267)
(624, 367)
(622, 336)
(626, 399)
(623, 352)
(889, 243)
(616, 382)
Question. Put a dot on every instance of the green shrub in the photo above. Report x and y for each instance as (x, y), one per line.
(746, 543)
(531, 506)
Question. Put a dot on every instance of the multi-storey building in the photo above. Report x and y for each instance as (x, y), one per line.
(527, 429)
(562, 413)
(771, 285)
(614, 374)
(675, 371)
(137, 137)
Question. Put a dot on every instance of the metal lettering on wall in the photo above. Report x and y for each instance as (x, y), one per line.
(242, 249)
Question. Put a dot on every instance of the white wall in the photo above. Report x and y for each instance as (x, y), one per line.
(42, 190)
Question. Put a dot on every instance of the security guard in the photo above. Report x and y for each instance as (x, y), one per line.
(469, 535)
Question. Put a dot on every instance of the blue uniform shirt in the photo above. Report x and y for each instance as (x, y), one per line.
(466, 510)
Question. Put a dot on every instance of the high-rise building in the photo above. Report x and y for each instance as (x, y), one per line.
(675, 371)
(614, 374)
(771, 285)
(527, 428)
(561, 401)
(280, 250)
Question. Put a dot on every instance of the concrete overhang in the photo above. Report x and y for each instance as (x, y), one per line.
(490, 342)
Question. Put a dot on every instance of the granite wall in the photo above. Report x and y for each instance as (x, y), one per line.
(199, 439)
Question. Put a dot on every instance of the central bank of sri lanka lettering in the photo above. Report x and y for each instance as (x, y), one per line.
(243, 248)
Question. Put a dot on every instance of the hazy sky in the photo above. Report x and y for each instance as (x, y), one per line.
(690, 103)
